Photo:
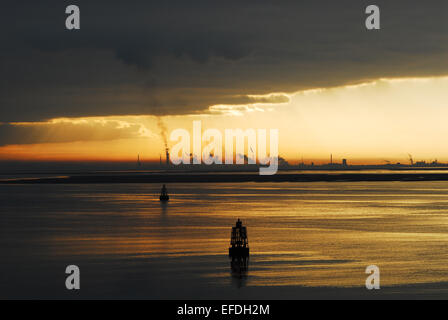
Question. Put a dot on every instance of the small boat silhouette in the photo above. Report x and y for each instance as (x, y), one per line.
(164, 194)
(239, 244)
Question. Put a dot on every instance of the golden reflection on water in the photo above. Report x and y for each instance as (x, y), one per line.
(315, 234)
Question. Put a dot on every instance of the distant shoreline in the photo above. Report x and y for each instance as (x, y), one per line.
(230, 177)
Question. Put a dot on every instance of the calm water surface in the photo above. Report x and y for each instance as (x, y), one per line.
(306, 239)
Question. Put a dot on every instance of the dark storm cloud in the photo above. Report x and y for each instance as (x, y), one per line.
(67, 132)
(180, 57)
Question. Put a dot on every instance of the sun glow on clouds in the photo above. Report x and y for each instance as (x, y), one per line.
(234, 110)
(381, 119)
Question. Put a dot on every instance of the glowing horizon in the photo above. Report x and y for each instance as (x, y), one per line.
(371, 123)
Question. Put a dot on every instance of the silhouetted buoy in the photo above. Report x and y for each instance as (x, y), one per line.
(164, 194)
(239, 244)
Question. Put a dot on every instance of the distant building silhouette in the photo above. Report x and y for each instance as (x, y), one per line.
(167, 152)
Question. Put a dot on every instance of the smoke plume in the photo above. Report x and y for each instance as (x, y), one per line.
(163, 131)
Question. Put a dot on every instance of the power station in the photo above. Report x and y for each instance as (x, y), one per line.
(167, 152)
